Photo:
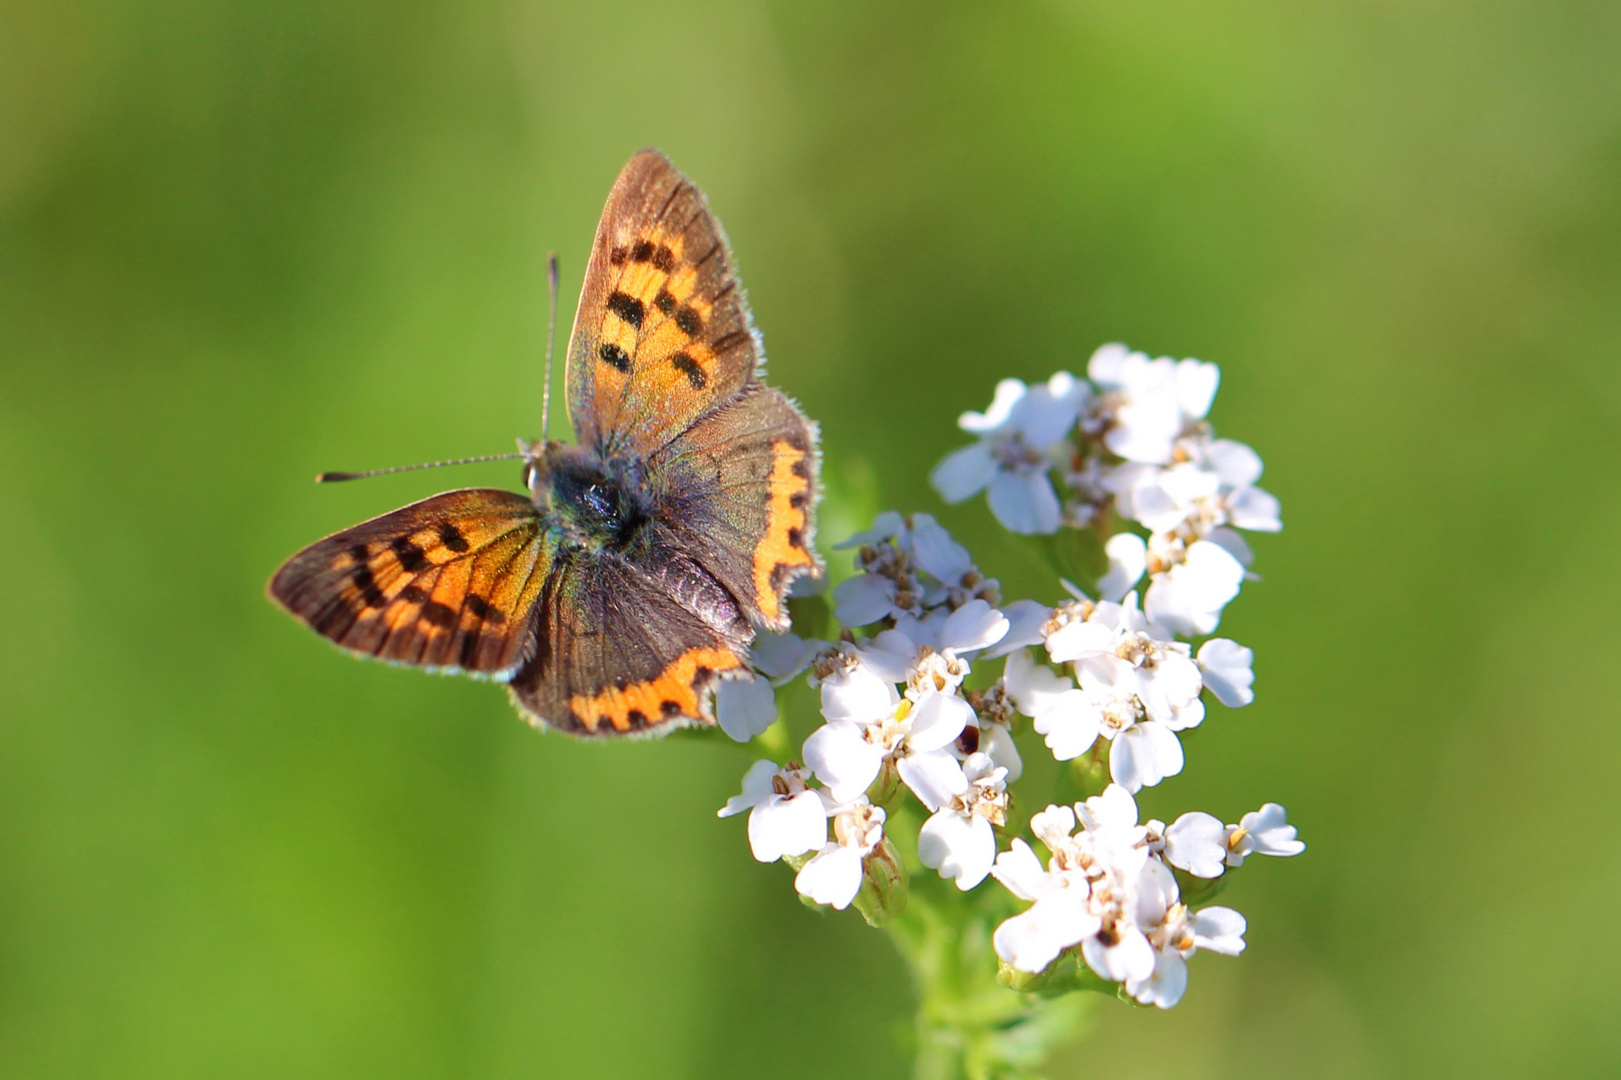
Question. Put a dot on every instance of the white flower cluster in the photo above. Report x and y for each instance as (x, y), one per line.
(902, 715)
(1133, 686)
(1108, 888)
(1131, 441)
(895, 713)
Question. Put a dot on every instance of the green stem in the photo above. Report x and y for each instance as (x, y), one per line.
(968, 1025)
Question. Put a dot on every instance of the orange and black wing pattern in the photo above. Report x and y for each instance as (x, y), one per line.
(449, 583)
(738, 491)
(630, 646)
(662, 334)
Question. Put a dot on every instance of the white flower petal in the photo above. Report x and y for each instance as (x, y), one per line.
(1008, 394)
(1130, 957)
(934, 777)
(1025, 503)
(1232, 541)
(936, 552)
(972, 627)
(964, 472)
(1254, 509)
(858, 693)
(1053, 825)
(1128, 559)
(1144, 755)
(1071, 723)
(756, 789)
(1236, 464)
(1113, 810)
(1166, 986)
(1025, 620)
(1269, 832)
(745, 707)
(937, 720)
(787, 826)
(1032, 685)
(961, 848)
(889, 656)
(1079, 640)
(832, 877)
(863, 599)
(1188, 599)
(1196, 383)
(1043, 418)
(782, 656)
(1225, 666)
(842, 759)
(1197, 842)
(1219, 929)
(1047, 929)
(1022, 873)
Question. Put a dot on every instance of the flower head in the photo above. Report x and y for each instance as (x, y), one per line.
(1022, 435)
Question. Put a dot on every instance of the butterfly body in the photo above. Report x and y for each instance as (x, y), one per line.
(645, 557)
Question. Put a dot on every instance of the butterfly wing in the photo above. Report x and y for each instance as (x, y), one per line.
(629, 646)
(449, 583)
(662, 333)
(738, 493)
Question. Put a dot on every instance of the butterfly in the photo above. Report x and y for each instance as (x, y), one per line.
(633, 574)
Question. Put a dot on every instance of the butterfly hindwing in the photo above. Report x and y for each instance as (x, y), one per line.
(738, 491)
(448, 583)
(663, 332)
(629, 647)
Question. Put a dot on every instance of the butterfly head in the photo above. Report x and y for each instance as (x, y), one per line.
(592, 503)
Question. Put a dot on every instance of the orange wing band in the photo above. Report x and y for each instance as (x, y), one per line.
(673, 692)
(786, 541)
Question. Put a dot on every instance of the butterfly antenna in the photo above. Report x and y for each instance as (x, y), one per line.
(334, 477)
(551, 336)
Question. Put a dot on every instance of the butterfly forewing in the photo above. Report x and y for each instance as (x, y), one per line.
(448, 583)
(662, 333)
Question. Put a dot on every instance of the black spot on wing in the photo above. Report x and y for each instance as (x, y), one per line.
(691, 369)
(412, 558)
(664, 301)
(689, 321)
(627, 307)
(438, 614)
(481, 609)
(613, 356)
(452, 538)
(370, 594)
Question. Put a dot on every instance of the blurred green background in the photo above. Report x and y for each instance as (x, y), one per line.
(244, 241)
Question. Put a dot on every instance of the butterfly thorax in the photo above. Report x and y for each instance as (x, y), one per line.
(588, 502)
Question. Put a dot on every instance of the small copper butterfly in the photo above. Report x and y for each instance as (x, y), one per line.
(637, 568)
